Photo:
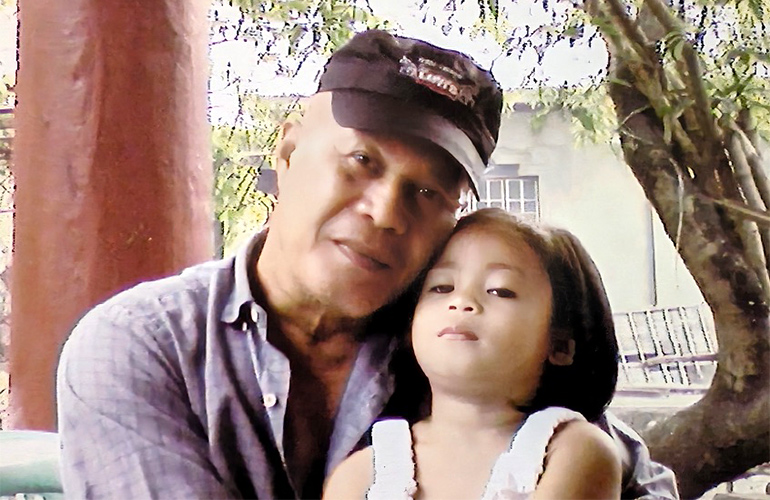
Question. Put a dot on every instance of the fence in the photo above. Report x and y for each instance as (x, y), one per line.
(666, 350)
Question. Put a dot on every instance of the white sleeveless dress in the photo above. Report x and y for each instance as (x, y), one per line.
(514, 475)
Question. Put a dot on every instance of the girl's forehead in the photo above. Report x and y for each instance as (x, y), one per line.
(481, 243)
(482, 235)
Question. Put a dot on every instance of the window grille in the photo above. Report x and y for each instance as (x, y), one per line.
(517, 195)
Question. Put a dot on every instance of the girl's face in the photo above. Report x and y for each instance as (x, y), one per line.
(481, 327)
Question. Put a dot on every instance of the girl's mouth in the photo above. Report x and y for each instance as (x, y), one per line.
(453, 333)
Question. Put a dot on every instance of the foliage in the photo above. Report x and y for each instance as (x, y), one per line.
(730, 37)
(589, 106)
(240, 155)
(307, 26)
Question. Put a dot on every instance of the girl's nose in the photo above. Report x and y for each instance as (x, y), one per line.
(464, 302)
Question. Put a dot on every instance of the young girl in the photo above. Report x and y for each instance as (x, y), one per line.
(514, 333)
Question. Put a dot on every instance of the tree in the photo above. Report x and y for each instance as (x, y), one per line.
(689, 135)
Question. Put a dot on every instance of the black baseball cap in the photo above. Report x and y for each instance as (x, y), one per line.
(389, 83)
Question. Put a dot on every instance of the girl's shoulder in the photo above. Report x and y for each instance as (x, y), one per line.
(579, 437)
(581, 461)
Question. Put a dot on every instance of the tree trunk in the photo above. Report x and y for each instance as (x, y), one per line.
(728, 431)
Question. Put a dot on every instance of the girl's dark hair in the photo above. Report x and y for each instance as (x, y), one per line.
(580, 311)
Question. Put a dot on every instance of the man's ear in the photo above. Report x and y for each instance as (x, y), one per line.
(285, 145)
(562, 349)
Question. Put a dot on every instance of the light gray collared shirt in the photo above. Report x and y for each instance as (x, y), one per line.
(171, 389)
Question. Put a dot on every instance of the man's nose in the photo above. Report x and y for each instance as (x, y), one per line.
(383, 203)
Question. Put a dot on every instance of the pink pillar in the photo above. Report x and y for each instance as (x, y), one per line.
(112, 166)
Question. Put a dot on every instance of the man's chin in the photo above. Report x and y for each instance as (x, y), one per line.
(361, 309)
(356, 298)
(358, 305)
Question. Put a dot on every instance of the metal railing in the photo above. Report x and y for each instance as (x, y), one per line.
(668, 349)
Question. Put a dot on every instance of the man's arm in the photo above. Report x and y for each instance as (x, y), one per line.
(642, 477)
(127, 429)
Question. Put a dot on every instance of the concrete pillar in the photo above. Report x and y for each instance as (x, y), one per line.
(112, 167)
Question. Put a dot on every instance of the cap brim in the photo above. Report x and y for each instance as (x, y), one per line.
(383, 113)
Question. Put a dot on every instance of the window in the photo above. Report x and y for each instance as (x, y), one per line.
(517, 195)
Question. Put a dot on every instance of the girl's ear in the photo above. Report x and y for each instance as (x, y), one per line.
(562, 349)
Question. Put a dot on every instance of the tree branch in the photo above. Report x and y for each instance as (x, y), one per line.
(634, 35)
(754, 242)
(740, 209)
(758, 252)
(693, 76)
(651, 88)
(756, 163)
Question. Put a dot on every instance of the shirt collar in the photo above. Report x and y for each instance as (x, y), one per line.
(245, 257)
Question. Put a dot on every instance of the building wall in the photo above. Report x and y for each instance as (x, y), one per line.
(589, 190)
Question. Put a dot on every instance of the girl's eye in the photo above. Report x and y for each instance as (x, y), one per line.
(503, 293)
(441, 289)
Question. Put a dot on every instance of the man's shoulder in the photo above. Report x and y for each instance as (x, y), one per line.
(642, 477)
(179, 297)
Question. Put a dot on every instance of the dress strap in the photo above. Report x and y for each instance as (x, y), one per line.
(519, 469)
(394, 476)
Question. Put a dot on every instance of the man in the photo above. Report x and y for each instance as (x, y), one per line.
(254, 376)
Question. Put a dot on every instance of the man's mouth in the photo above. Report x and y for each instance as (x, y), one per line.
(362, 256)
(452, 333)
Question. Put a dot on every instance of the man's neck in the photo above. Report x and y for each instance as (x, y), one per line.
(320, 349)
(304, 319)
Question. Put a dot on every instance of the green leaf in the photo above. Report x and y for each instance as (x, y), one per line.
(757, 7)
(585, 118)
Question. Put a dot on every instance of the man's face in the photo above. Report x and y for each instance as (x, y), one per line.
(359, 214)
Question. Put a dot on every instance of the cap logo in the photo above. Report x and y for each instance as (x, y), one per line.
(440, 79)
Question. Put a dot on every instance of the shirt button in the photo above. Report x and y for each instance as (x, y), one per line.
(269, 400)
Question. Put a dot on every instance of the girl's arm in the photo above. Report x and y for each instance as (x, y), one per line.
(582, 462)
(352, 478)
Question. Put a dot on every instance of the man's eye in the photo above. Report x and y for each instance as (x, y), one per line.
(428, 194)
(441, 289)
(503, 293)
(361, 158)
